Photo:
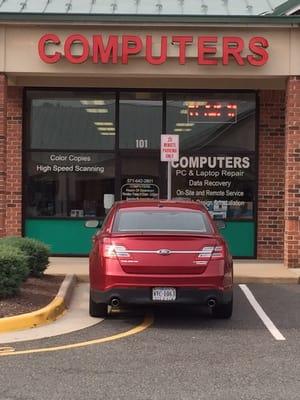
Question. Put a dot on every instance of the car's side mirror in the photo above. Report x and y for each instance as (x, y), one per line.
(220, 224)
(92, 224)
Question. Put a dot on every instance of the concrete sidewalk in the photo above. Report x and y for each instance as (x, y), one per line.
(245, 271)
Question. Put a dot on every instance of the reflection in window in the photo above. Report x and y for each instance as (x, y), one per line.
(140, 120)
(69, 188)
(217, 163)
(166, 221)
(212, 121)
(140, 178)
(69, 123)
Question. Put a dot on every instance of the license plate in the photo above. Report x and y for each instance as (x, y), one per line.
(163, 294)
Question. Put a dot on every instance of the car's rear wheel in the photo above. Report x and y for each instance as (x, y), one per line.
(223, 311)
(98, 310)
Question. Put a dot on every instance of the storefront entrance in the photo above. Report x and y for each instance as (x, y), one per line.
(83, 147)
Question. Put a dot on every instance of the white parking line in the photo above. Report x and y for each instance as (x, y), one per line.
(262, 315)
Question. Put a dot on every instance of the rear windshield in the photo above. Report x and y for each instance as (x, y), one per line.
(162, 221)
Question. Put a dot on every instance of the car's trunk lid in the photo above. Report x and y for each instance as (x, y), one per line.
(163, 253)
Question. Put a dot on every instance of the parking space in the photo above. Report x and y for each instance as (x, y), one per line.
(166, 317)
(183, 354)
(282, 305)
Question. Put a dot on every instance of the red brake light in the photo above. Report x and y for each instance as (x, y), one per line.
(114, 251)
(206, 252)
(218, 252)
(215, 252)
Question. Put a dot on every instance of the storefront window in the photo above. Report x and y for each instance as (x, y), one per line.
(140, 120)
(84, 149)
(70, 153)
(212, 121)
(69, 121)
(217, 163)
(69, 184)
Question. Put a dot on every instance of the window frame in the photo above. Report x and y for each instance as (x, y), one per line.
(93, 91)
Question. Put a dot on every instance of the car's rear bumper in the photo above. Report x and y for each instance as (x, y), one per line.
(143, 296)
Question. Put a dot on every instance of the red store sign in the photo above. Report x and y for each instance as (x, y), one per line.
(118, 49)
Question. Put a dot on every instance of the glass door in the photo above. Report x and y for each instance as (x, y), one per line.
(140, 176)
(140, 127)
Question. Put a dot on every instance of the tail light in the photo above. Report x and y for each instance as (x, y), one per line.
(215, 252)
(114, 251)
(206, 252)
(218, 253)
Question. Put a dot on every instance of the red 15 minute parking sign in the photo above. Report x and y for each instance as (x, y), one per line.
(169, 148)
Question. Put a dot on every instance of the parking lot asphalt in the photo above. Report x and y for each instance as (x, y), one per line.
(184, 355)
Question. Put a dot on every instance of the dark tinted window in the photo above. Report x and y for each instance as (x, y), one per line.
(212, 121)
(140, 120)
(178, 221)
(217, 164)
(64, 121)
(68, 184)
(140, 177)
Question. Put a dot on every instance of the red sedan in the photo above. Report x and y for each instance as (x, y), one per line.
(153, 252)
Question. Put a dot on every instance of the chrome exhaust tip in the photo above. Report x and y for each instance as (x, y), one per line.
(115, 302)
(211, 303)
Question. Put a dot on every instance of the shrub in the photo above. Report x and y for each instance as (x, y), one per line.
(37, 253)
(13, 270)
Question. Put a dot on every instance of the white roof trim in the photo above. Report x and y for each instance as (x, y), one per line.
(293, 10)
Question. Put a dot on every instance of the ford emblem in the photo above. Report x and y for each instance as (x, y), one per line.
(164, 252)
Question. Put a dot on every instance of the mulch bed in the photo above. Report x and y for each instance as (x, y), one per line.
(35, 293)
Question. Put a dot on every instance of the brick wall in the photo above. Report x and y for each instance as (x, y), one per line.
(10, 159)
(3, 95)
(270, 229)
(292, 174)
(14, 166)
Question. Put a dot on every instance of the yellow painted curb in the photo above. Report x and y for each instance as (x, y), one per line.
(42, 316)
